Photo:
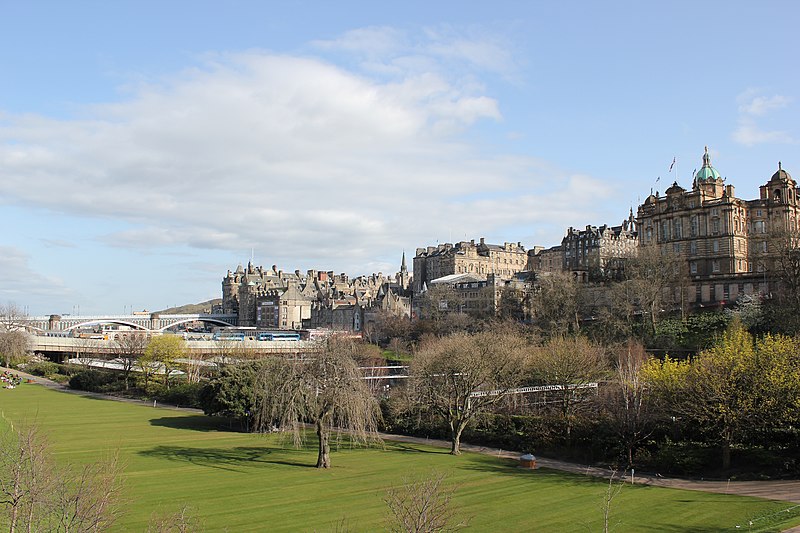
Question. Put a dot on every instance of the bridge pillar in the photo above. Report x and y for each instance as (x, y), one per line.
(54, 323)
(155, 322)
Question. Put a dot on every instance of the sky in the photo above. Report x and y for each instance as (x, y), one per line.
(147, 147)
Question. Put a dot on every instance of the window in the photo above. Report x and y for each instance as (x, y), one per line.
(693, 226)
(764, 246)
(715, 226)
(693, 247)
(715, 265)
(676, 229)
(676, 247)
(664, 232)
(716, 245)
(693, 267)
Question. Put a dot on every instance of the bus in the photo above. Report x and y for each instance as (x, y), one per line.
(278, 336)
(227, 336)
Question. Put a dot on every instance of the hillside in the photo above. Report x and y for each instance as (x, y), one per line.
(202, 307)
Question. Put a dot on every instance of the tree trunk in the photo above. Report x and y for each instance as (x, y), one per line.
(324, 457)
(455, 437)
(726, 455)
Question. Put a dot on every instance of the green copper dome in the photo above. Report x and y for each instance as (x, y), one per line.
(707, 172)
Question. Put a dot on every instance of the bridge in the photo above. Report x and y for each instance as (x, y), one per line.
(61, 347)
(144, 322)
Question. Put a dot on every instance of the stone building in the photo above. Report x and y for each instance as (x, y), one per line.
(466, 257)
(724, 240)
(546, 259)
(599, 253)
(273, 299)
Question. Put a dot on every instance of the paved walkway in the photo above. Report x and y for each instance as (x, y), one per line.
(772, 490)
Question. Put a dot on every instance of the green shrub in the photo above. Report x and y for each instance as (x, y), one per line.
(43, 368)
(180, 394)
(92, 380)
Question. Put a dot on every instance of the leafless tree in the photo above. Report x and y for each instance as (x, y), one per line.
(462, 376)
(38, 495)
(129, 347)
(13, 339)
(613, 490)
(627, 398)
(194, 365)
(439, 301)
(650, 276)
(780, 257)
(182, 521)
(569, 362)
(555, 303)
(422, 505)
(326, 390)
(89, 499)
(25, 476)
(13, 345)
(12, 317)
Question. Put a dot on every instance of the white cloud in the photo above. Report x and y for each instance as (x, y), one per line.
(308, 162)
(748, 133)
(21, 283)
(750, 103)
(753, 108)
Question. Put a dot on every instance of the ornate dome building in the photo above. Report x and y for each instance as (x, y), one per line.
(722, 240)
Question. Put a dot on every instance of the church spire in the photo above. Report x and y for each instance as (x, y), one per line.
(403, 267)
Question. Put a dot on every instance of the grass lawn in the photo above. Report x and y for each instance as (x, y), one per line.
(240, 482)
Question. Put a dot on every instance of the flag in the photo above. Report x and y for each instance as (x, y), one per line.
(672, 165)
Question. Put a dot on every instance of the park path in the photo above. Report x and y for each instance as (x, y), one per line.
(772, 490)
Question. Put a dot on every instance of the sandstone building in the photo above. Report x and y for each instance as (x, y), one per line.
(598, 253)
(274, 299)
(466, 257)
(723, 241)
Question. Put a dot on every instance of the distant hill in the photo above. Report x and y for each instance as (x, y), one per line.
(190, 309)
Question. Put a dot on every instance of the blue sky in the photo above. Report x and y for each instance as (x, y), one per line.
(148, 147)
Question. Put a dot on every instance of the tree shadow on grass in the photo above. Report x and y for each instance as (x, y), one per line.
(198, 423)
(221, 458)
(394, 446)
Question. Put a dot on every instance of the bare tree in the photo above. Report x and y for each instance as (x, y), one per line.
(13, 345)
(129, 347)
(12, 317)
(628, 398)
(326, 390)
(90, 498)
(13, 339)
(650, 275)
(422, 505)
(780, 257)
(25, 475)
(462, 376)
(613, 490)
(181, 521)
(38, 495)
(569, 362)
(555, 303)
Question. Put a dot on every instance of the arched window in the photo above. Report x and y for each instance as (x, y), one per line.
(777, 194)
